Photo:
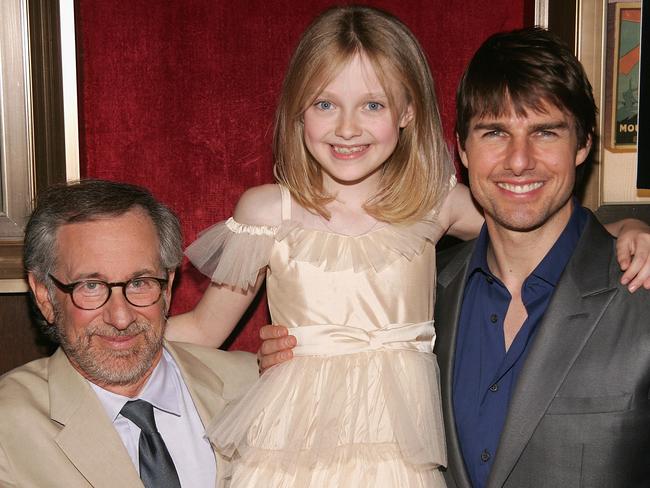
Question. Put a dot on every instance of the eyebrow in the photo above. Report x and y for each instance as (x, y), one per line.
(377, 95)
(560, 124)
(487, 126)
(551, 126)
(373, 95)
(101, 277)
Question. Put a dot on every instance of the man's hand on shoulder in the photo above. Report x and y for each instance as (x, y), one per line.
(276, 346)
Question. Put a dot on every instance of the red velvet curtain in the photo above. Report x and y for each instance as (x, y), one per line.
(179, 95)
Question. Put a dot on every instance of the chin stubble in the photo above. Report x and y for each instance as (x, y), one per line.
(104, 366)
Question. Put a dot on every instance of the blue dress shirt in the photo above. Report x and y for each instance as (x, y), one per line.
(485, 374)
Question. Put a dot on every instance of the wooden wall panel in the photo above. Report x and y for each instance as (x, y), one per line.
(20, 338)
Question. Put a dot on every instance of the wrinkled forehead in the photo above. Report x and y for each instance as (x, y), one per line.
(122, 243)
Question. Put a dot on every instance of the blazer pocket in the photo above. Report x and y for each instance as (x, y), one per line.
(584, 405)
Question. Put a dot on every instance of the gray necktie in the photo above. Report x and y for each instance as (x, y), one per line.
(157, 469)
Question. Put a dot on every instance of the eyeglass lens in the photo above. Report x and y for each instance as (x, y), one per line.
(140, 292)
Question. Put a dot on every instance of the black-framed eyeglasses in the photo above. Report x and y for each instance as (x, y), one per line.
(142, 291)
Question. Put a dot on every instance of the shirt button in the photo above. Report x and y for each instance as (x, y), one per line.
(494, 387)
(493, 318)
(489, 279)
(485, 456)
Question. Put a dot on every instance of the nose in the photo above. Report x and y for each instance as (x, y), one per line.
(519, 157)
(118, 312)
(347, 125)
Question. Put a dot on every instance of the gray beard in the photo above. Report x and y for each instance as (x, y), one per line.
(104, 367)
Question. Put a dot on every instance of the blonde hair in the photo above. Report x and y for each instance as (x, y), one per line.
(416, 176)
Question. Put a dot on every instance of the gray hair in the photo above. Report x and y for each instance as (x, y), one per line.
(88, 200)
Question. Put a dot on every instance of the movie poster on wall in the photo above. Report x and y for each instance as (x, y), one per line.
(643, 154)
(625, 77)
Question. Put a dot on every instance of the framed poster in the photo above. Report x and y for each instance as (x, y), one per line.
(611, 190)
(625, 77)
(643, 155)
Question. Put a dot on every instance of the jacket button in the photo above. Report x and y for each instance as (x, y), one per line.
(485, 456)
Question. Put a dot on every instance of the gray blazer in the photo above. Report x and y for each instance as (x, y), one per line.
(580, 412)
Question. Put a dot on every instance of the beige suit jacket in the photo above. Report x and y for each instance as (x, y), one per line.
(55, 433)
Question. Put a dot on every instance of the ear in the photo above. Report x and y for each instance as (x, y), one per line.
(461, 151)
(406, 117)
(583, 152)
(42, 297)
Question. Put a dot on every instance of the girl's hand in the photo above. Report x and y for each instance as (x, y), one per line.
(633, 253)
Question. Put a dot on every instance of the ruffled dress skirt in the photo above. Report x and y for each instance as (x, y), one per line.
(366, 419)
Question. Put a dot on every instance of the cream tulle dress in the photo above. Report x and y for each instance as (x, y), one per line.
(359, 405)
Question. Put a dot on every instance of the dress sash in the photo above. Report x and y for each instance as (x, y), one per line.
(335, 340)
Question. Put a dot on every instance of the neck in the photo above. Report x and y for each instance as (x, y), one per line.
(513, 255)
(131, 389)
(352, 194)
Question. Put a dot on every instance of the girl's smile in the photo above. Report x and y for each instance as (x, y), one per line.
(349, 152)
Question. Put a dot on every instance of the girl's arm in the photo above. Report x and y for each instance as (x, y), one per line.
(463, 219)
(460, 215)
(214, 317)
(222, 306)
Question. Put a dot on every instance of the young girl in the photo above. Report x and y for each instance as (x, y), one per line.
(346, 242)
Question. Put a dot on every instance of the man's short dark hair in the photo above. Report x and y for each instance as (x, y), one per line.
(525, 68)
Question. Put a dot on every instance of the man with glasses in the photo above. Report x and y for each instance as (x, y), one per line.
(116, 405)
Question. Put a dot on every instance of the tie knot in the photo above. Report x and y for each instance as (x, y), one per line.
(140, 413)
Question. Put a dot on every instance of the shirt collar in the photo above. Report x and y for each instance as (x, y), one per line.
(552, 266)
(479, 256)
(162, 390)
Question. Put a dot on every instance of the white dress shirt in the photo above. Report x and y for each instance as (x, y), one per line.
(177, 420)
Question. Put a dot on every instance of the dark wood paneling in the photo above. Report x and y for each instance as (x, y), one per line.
(562, 20)
(47, 93)
(612, 213)
(20, 339)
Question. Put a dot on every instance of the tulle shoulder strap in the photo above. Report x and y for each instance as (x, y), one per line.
(286, 202)
(232, 253)
(453, 181)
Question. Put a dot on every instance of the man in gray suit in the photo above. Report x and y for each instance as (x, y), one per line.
(544, 354)
(116, 405)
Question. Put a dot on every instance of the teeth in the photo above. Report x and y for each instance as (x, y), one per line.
(520, 188)
(348, 150)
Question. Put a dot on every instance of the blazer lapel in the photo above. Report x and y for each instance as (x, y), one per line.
(579, 301)
(451, 286)
(205, 387)
(88, 437)
(207, 392)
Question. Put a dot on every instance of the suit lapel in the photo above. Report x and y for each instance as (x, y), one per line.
(205, 387)
(207, 392)
(88, 437)
(451, 285)
(578, 303)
